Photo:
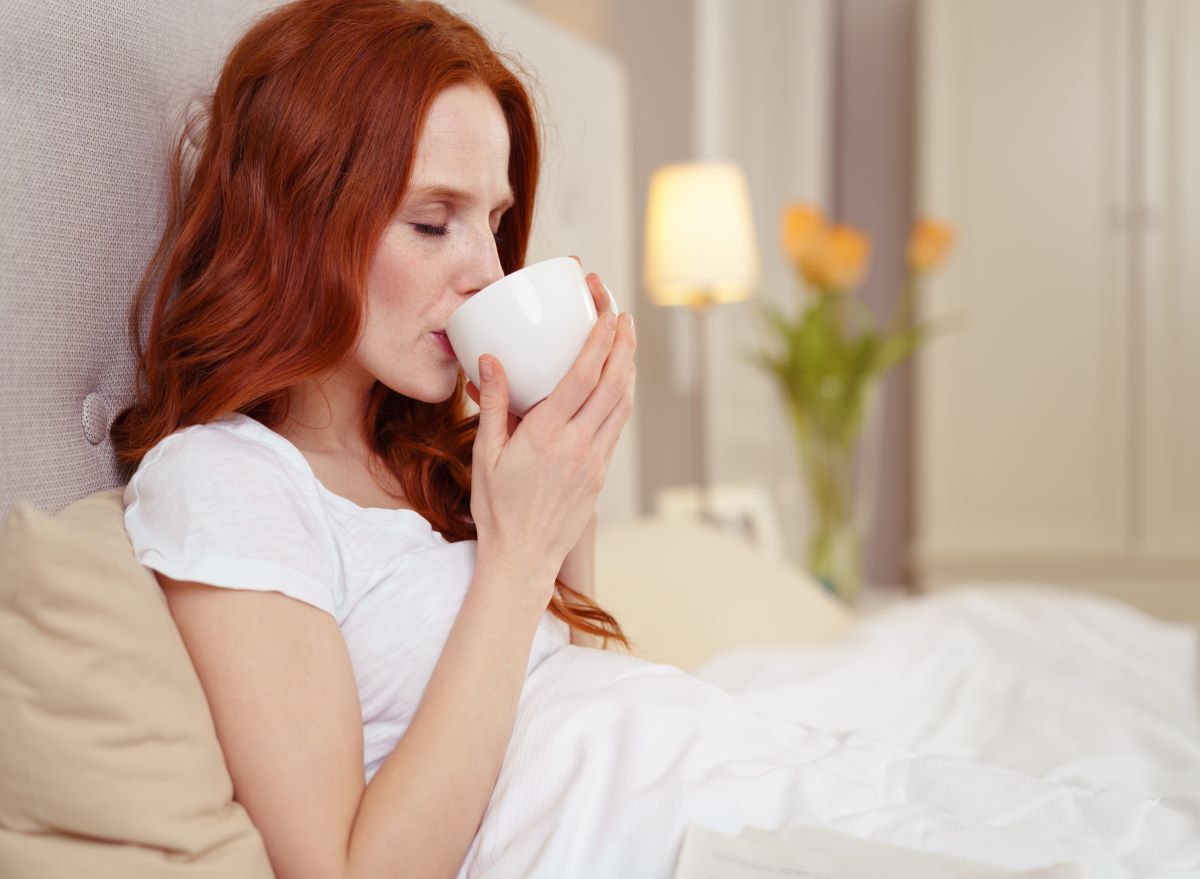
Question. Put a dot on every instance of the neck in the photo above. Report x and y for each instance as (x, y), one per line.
(327, 415)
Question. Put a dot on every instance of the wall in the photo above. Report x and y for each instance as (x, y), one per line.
(865, 179)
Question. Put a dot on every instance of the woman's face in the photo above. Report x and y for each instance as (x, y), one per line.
(440, 247)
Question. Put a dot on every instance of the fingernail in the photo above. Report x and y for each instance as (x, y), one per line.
(485, 369)
(610, 320)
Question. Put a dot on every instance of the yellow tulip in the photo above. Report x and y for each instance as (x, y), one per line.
(928, 245)
(845, 257)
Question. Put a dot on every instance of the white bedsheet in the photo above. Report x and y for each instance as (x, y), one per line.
(612, 757)
(1052, 683)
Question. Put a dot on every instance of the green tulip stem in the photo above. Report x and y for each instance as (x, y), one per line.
(834, 546)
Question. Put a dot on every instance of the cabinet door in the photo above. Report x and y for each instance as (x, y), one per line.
(1021, 407)
(1168, 524)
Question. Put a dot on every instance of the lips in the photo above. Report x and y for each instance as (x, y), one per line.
(443, 341)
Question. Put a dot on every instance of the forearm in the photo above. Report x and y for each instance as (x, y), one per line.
(579, 567)
(422, 809)
(579, 572)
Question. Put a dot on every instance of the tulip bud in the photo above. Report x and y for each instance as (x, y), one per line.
(928, 245)
(846, 255)
(803, 233)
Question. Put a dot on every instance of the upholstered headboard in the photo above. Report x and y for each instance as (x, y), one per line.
(91, 95)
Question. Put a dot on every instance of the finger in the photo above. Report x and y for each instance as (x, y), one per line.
(473, 393)
(618, 372)
(492, 433)
(577, 259)
(579, 382)
(599, 297)
(610, 431)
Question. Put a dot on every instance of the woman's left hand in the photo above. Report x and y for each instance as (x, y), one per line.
(578, 568)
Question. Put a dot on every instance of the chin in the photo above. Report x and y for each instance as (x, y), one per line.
(442, 398)
(434, 392)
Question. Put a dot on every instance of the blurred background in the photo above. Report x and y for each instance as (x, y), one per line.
(1050, 435)
(1045, 435)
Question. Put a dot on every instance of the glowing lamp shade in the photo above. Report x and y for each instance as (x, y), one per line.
(699, 235)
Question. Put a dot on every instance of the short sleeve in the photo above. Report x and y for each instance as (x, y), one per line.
(217, 508)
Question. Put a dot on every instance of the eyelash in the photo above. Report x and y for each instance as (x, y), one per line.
(439, 231)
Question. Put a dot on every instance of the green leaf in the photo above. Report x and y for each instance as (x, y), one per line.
(862, 318)
(901, 345)
(826, 358)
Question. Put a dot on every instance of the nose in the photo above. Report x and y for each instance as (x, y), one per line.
(483, 263)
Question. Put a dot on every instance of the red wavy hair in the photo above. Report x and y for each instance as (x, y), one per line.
(303, 153)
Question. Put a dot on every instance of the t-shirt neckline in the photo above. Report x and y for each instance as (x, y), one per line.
(293, 453)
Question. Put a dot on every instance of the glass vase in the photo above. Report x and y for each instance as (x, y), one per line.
(839, 476)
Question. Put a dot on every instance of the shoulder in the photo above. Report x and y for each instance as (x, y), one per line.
(233, 439)
(232, 469)
(234, 453)
(222, 503)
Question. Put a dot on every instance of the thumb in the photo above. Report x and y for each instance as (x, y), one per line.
(493, 402)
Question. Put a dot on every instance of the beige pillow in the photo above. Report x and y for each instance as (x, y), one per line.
(684, 591)
(109, 761)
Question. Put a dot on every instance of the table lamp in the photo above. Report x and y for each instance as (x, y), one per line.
(700, 251)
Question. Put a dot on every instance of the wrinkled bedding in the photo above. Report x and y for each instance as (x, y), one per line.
(612, 757)
(1056, 684)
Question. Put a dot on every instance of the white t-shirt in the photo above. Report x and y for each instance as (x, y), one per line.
(232, 503)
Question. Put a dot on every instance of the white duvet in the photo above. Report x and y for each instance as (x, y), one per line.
(1012, 728)
(1070, 687)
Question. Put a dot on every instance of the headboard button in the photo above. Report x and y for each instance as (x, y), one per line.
(95, 418)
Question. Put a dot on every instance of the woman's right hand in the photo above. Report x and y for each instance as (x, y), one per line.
(533, 490)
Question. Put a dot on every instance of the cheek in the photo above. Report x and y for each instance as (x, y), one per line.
(392, 280)
(391, 264)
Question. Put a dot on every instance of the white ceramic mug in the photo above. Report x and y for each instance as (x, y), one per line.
(534, 321)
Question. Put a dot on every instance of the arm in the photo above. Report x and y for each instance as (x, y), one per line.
(579, 572)
(277, 676)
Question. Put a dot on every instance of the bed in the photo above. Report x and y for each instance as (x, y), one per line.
(108, 761)
(1053, 683)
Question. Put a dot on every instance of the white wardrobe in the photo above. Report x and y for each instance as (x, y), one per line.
(1058, 420)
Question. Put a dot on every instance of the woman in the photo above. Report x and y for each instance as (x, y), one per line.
(386, 601)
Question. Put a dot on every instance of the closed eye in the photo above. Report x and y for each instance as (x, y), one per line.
(434, 231)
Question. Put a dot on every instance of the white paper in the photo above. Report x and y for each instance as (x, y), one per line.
(800, 852)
